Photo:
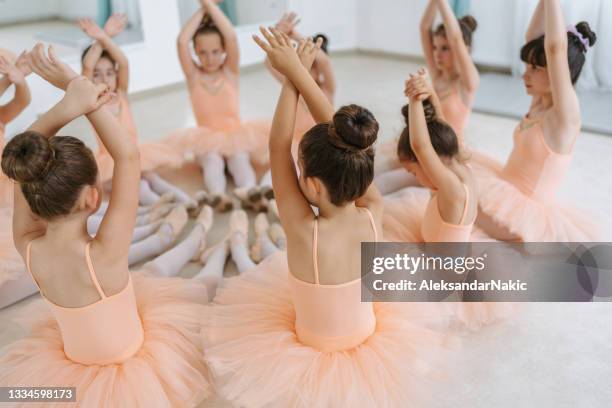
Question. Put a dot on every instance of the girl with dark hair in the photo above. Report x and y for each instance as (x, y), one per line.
(213, 81)
(453, 73)
(119, 338)
(429, 149)
(518, 201)
(104, 62)
(293, 331)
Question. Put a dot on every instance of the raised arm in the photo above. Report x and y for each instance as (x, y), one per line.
(326, 69)
(292, 205)
(536, 25)
(566, 108)
(421, 85)
(427, 36)
(114, 25)
(22, 97)
(104, 41)
(468, 74)
(420, 141)
(182, 44)
(228, 32)
(123, 204)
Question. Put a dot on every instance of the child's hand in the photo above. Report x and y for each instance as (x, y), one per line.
(287, 23)
(281, 53)
(90, 28)
(418, 86)
(83, 97)
(50, 68)
(23, 64)
(115, 24)
(11, 71)
(307, 51)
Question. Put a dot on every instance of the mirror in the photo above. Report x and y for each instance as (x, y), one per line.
(240, 12)
(23, 23)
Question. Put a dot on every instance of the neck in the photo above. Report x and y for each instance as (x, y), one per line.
(329, 210)
(449, 75)
(69, 229)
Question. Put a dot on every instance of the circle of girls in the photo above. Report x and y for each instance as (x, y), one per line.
(290, 329)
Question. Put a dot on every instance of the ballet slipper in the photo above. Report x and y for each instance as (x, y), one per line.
(177, 219)
(160, 212)
(267, 192)
(224, 203)
(273, 210)
(261, 229)
(205, 220)
(202, 197)
(278, 236)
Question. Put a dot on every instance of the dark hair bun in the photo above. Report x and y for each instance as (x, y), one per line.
(356, 127)
(27, 157)
(325, 42)
(469, 22)
(585, 29)
(428, 109)
(207, 21)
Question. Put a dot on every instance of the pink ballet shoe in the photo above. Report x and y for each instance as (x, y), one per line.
(205, 219)
(278, 236)
(160, 212)
(261, 229)
(177, 219)
(273, 210)
(267, 192)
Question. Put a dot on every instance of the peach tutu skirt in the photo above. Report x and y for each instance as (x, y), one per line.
(153, 155)
(402, 223)
(257, 360)
(251, 137)
(168, 370)
(532, 219)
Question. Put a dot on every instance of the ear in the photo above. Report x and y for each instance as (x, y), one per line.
(91, 198)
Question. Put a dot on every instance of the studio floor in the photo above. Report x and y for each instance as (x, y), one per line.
(550, 355)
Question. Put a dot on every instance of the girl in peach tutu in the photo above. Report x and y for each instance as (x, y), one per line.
(429, 149)
(322, 72)
(518, 200)
(293, 331)
(221, 136)
(121, 339)
(104, 62)
(455, 80)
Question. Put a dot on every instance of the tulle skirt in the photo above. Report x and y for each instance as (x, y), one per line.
(257, 360)
(251, 137)
(168, 370)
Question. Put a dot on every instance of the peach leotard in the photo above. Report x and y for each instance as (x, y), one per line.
(456, 113)
(217, 109)
(321, 318)
(107, 331)
(533, 167)
(435, 229)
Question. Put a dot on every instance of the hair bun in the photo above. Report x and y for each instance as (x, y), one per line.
(428, 109)
(585, 29)
(354, 128)
(27, 157)
(207, 21)
(469, 22)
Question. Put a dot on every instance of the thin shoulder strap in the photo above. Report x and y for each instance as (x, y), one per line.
(315, 241)
(92, 273)
(466, 206)
(371, 217)
(28, 266)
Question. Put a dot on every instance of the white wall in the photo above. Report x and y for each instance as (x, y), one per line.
(13, 11)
